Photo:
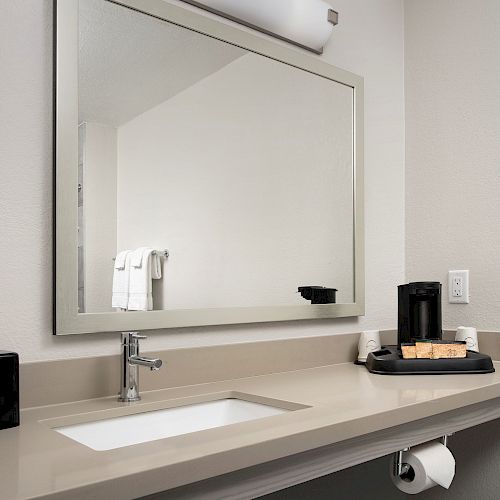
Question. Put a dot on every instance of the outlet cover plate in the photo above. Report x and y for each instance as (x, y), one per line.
(458, 287)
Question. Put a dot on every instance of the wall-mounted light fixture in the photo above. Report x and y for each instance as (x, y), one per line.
(306, 23)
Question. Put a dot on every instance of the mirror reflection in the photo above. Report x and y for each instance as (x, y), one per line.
(209, 176)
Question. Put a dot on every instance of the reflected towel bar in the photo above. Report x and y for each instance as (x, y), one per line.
(164, 253)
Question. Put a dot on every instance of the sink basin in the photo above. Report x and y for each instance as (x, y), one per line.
(138, 428)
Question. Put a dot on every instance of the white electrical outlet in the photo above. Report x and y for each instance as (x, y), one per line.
(458, 287)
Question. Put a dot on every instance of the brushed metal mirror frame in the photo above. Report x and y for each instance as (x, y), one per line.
(67, 319)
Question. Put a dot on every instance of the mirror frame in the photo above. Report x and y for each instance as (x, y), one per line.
(67, 319)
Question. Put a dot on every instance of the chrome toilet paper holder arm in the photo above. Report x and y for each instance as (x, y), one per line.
(400, 467)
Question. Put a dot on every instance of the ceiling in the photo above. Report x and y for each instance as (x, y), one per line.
(130, 62)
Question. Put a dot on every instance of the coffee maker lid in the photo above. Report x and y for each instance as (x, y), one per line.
(422, 286)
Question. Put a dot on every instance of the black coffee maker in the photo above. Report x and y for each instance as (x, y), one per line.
(419, 311)
(419, 318)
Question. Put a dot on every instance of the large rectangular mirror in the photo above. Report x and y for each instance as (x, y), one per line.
(203, 174)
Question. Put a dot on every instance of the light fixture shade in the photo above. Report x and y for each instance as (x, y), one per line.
(307, 23)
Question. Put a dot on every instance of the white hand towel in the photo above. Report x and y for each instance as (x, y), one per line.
(120, 259)
(121, 278)
(141, 286)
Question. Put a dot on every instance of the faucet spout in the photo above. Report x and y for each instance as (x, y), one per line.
(130, 363)
(152, 363)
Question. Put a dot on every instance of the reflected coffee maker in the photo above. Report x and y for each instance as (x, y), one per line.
(419, 311)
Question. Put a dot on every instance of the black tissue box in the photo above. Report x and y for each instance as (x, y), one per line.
(9, 389)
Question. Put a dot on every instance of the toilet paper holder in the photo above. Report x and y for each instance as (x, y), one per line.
(400, 467)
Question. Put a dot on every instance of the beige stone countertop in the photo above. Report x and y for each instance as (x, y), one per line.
(342, 401)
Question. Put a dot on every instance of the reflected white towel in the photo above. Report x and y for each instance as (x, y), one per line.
(155, 266)
(137, 256)
(120, 259)
(145, 266)
(121, 278)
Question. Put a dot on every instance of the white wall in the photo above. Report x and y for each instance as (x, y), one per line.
(99, 213)
(453, 182)
(453, 151)
(368, 41)
(261, 205)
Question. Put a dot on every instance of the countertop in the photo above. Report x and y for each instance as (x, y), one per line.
(342, 401)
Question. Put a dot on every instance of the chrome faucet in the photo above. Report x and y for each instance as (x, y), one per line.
(131, 360)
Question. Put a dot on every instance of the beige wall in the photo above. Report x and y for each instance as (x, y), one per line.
(453, 151)
(368, 41)
(261, 205)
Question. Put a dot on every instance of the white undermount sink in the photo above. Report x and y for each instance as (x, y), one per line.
(138, 428)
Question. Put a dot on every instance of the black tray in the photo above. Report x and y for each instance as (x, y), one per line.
(389, 361)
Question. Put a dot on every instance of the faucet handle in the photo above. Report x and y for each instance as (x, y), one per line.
(128, 337)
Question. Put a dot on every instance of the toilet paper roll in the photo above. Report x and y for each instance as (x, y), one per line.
(431, 464)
